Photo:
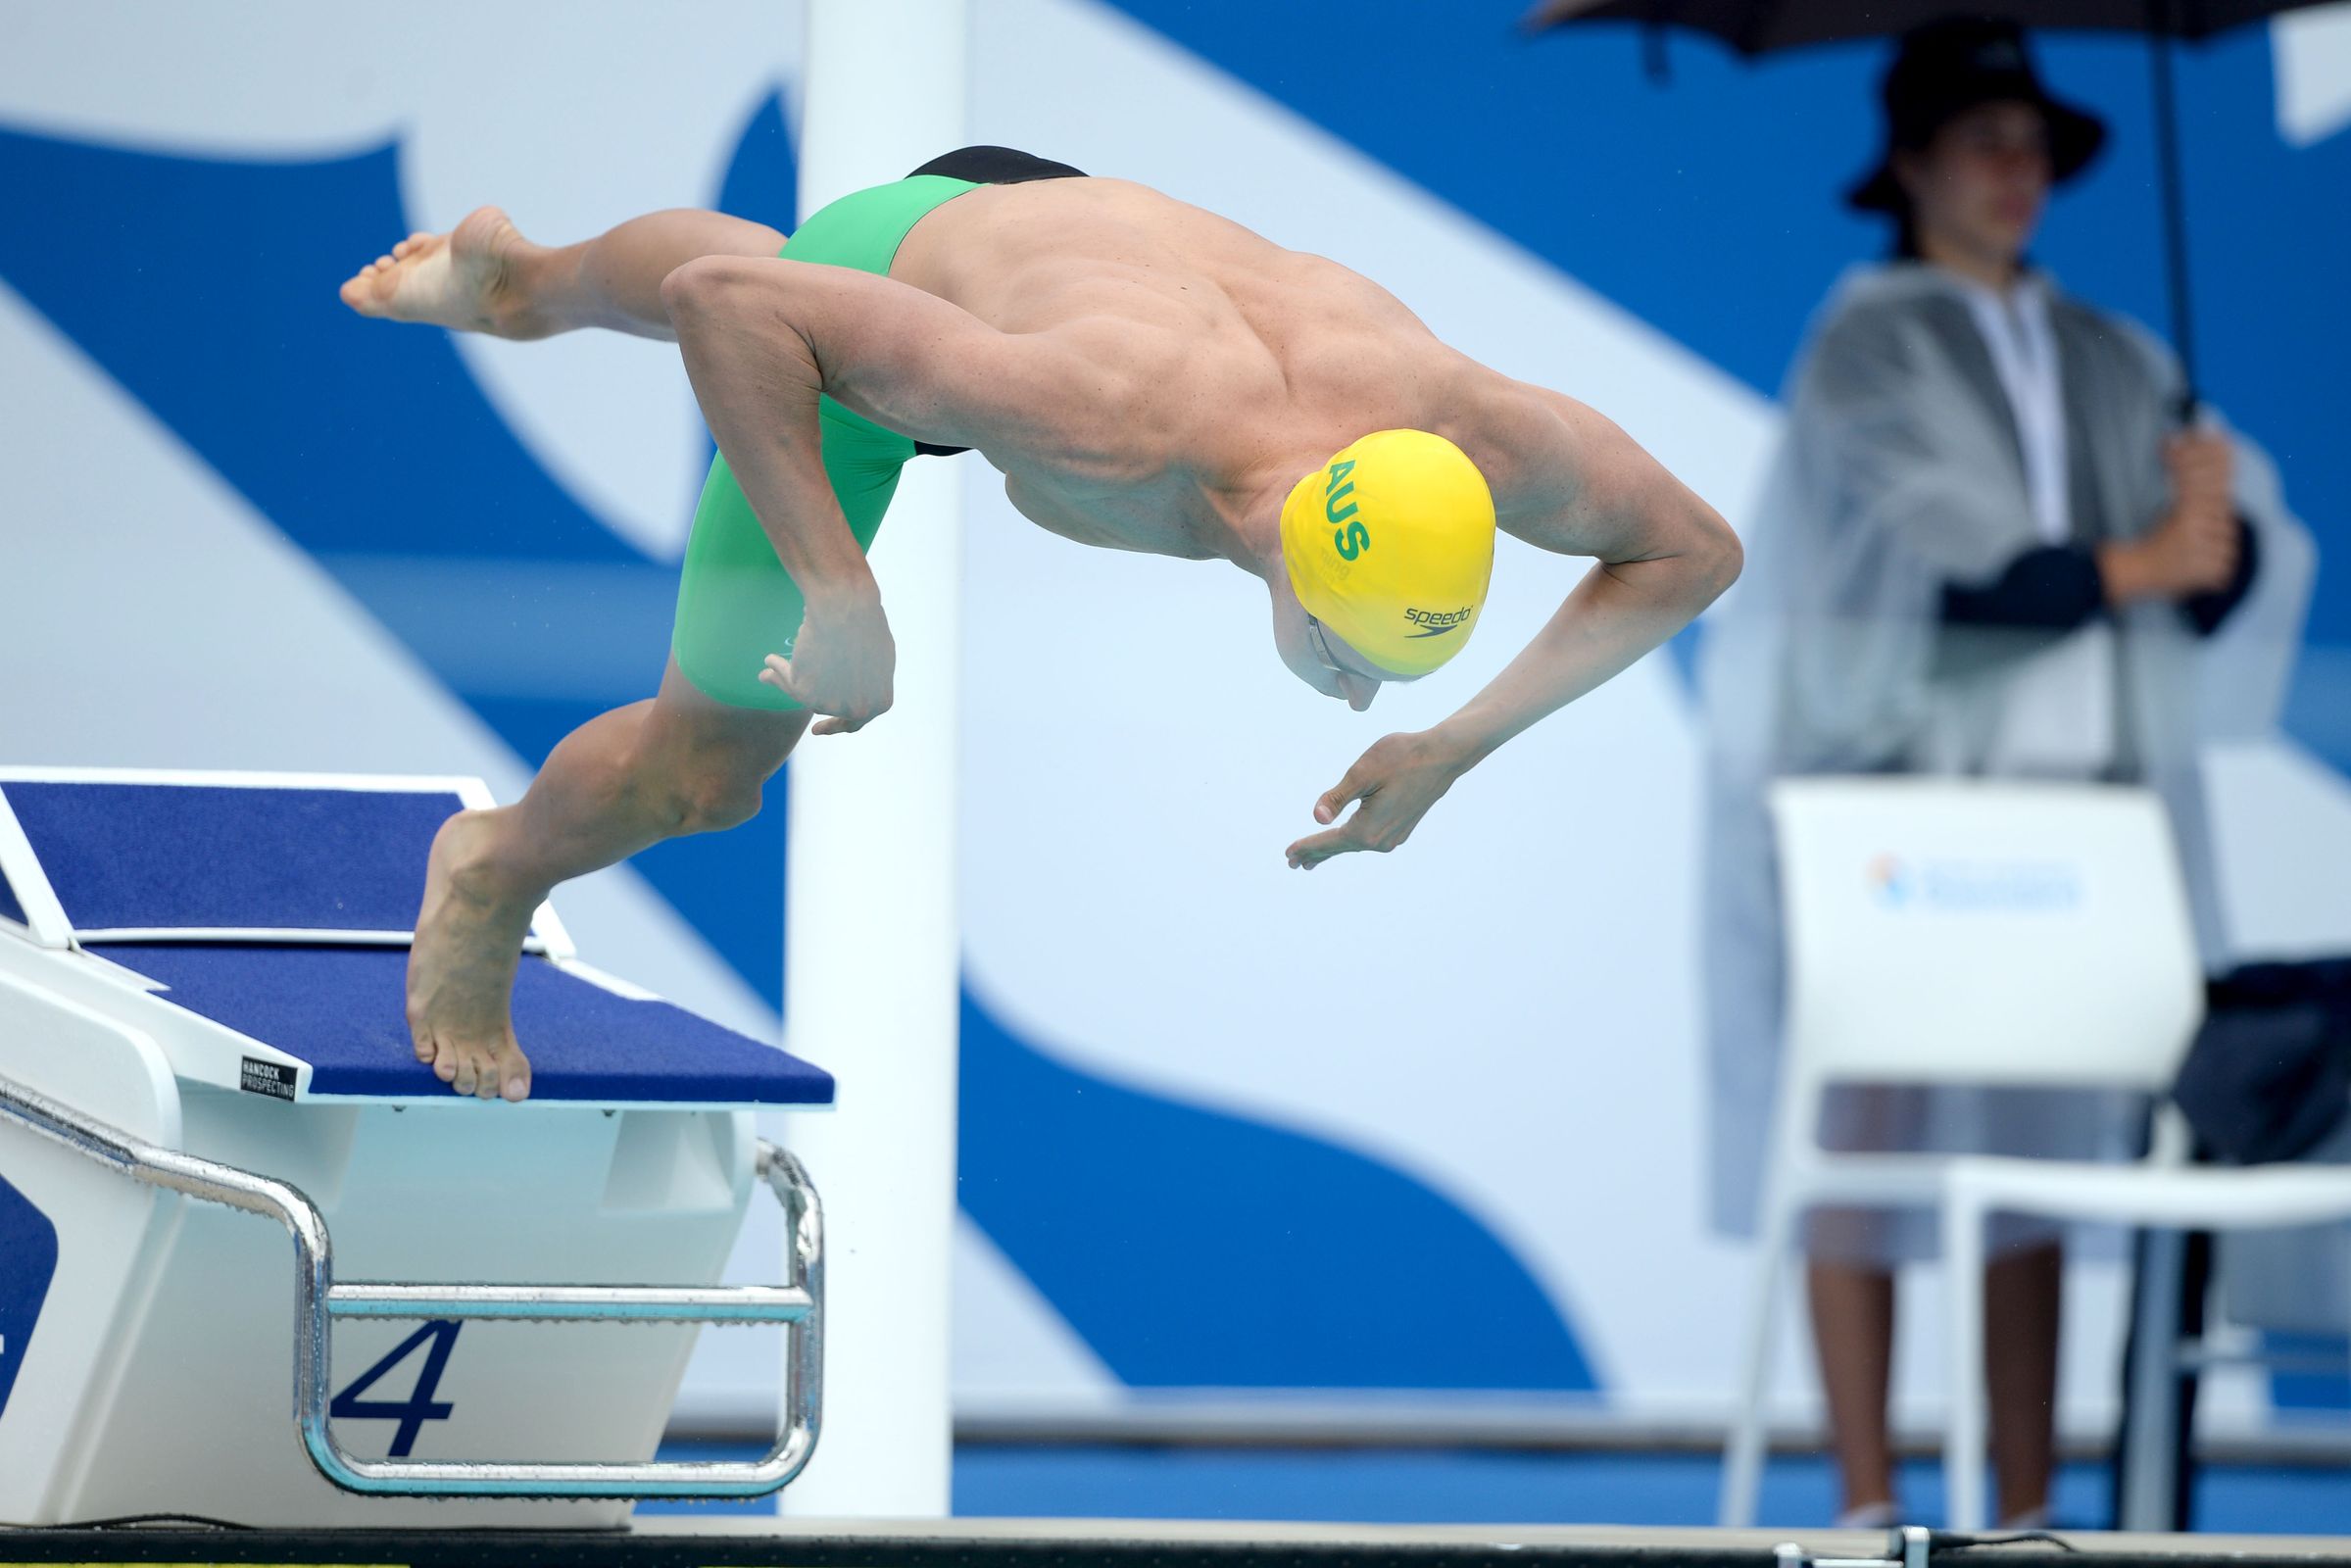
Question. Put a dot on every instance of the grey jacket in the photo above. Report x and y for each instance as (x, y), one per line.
(1900, 472)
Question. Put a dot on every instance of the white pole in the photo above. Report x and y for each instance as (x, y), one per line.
(871, 953)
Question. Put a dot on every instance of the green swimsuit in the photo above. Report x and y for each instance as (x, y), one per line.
(735, 603)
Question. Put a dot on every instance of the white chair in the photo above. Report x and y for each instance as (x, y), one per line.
(2156, 1191)
(1944, 933)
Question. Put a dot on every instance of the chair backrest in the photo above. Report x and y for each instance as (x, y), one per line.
(1945, 931)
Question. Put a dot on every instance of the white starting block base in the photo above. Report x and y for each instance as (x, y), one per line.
(147, 1338)
(177, 1398)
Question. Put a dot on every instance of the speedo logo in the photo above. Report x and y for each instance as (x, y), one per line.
(1436, 622)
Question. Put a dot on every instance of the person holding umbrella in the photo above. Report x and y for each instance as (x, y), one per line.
(1987, 548)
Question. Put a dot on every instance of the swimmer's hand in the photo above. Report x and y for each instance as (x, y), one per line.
(841, 665)
(1397, 780)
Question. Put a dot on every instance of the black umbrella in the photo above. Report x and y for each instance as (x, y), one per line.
(1761, 27)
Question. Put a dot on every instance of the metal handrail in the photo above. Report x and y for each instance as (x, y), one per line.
(798, 1305)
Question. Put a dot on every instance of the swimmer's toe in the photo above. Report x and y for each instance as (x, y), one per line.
(484, 1071)
(514, 1071)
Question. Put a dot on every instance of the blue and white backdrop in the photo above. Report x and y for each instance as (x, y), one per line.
(239, 527)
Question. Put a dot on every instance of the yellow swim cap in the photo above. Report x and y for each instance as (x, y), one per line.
(1390, 545)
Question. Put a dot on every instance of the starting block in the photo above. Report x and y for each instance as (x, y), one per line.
(204, 1053)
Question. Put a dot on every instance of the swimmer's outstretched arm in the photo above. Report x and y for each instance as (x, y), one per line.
(1580, 487)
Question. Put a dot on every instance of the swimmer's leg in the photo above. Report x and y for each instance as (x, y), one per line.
(627, 779)
(484, 276)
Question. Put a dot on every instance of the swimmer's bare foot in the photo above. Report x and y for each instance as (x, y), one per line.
(461, 972)
(466, 280)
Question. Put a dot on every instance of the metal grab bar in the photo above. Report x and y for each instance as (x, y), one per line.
(571, 1303)
(798, 1305)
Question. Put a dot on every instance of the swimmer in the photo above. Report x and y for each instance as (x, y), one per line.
(1147, 377)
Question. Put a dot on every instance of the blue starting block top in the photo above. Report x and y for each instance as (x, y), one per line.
(341, 1010)
(281, 908)
(193, 856)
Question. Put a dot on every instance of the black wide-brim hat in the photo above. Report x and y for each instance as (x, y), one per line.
(1945, 68)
